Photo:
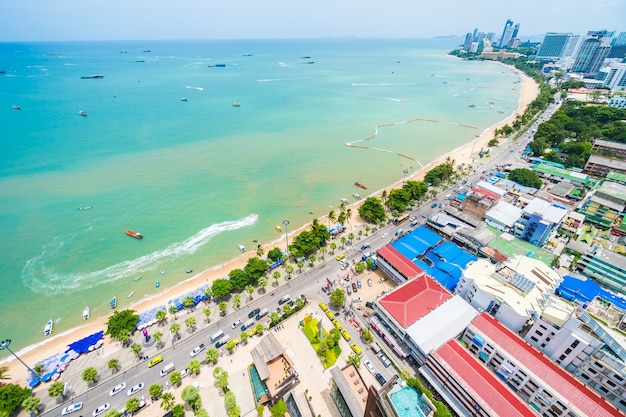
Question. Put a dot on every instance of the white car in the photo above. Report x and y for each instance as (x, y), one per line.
(370, 367)
(235, 324)
(71, 408)
(135, 389)
(384, 235)
(100, 409)
(184, 373)
(117, 388)
(356, 300)
(197, 350)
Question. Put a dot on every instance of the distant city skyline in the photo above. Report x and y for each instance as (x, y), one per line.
(38, 20)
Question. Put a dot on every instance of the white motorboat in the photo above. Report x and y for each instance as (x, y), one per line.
(242, 248)
(86, 313)
(48, 329)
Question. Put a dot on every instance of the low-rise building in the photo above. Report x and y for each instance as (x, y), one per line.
(348, 391)
(602, 165)
(539, 220)
(572, 223)
(503, 216)
(604, 266)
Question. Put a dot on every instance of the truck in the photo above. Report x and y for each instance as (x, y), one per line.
(264, 312)
(247, 324)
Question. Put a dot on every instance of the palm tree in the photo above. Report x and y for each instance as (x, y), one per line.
(157, 336)
(235, 301)
(55, 390)
(136, 348)
(262, 283)
(249, 291)
(189, 302)
(333, 247)
(350, 236)
(360, 233)
(167, 401)
(222, 308)
(39, 369)
(190, 322)
(323, 251)
(90, 375)
(31, 405)
(383, 198)
(160, 316)
(349, 216)
(114, 365)
(312, 259)
(207, 314)
(276, 276)
(260, 251)
(289, 269)
(368, 229)
(4, 372)
(300, 265)
(332, 217)
(343, 242)
(174, 329)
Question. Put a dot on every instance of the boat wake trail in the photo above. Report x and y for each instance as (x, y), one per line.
(194, 88)
(40, 279)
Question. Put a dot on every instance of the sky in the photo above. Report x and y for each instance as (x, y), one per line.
(61, 20)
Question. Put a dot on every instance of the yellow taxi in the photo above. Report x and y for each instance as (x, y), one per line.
(337, 324)
(155, 361)
(340, 257)
(356, 349)
(330, 315)
(346, 335)
(323, 306)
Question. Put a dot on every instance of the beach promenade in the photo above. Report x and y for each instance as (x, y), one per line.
(58, 343)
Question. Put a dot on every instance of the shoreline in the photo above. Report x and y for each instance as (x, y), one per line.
(58, 343)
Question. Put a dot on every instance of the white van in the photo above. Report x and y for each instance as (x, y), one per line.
(218, 335)
(284, 299)
(167, 369)
(375, 347)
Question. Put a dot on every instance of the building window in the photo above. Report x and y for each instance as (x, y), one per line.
(534, 339)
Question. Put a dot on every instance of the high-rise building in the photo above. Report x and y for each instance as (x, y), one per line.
(557, 46)
(593, 51)
(468, 41)
(475, 35)
(507, 34)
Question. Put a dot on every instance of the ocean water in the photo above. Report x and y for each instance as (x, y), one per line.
(199, 177)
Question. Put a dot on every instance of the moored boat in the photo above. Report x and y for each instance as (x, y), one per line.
(278, 228)
(86, 313)
(47, 330)
(16, 107)
(158, 284)
(183, 99)
(136, 235)
(358, 184)
(82, 113)
(92, 76)
(356, 195)
(131, 294)
(138, 278)
(344, 201)
(236, 104)
(113, 302)
(85, 208)
(242, 248)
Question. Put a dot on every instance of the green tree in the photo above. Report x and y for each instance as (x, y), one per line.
(112, 413)
(276, 276)
(212, 355)
(525, 177)
(189, 302)
(300, 265)
(114, 365)
(39, 369)
(175, 378)
(355, 360)
(167, 401)
(338, 297)
(202, 413)
(136, 349)
(90, 375)
(174, 329)
(191, 396)
(155, 390)
(190, 322)
(238, 278)
(366, 334)
(312, 259)
(230, 401)
(289, 269)
(235, 301)
(222, 382)
(259, 251)
(31, 405)
(178, 410)
(259, 328)
(262, 283)
(55, 389)
(230, 345)
(194, 367)
(244, 337)
(333, 247)
(274, 317)
(235, 411)
(222, 308)
(275, 255)
(160, 316)
(260, 409)
(158, 337)
(359, 267)
(12, 396)
(121, 321)
(221, 288)
(372, 210)
(255, 268)
(218, 372)
(207, 314)
(249, 291)
(132, 405)
(279, 409)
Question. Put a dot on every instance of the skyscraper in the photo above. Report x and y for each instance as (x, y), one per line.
(468, 41)
(592, 54)
(557, 46)
(507, 33)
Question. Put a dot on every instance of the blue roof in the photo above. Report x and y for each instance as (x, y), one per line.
(585, 290)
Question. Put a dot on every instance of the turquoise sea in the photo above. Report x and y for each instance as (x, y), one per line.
(198, 177)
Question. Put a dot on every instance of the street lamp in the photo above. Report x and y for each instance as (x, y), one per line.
(5, 345)
(286, 223)
(405, 171)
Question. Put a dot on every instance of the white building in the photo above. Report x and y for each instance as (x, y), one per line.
(503, 216)
(514, 292)
(614, 76)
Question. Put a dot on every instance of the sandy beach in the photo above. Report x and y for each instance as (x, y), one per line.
(58, 343)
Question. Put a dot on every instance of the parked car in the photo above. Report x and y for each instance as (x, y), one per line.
(380, 379)
(354, 287)
(135, 389)
(369, 282)
(184, 373)
(348, 289)
(254, 313)
(365, 246)
(384, 359)
(359, 284)
(433, 205)
(155, 361)
(356, 300)
(345, 335)
(370, 367)
(101, 409)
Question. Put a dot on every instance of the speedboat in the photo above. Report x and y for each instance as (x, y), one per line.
(48, 328)
(113, 302)
(278, 229)
(82, 113)
(86, 313)
(85, 208)
(356, 195)
(344, 201)
(162, 271)
(131, 294)
(242, 248)
(189, 271)
(138, 278)
(136, 235)
(236, 104)
(15, 107)
(183, 99)
(358, 184)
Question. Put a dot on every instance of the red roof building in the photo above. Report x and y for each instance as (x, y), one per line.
(394, 263)
(474, 389)
(547, 387)
(414, 300)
